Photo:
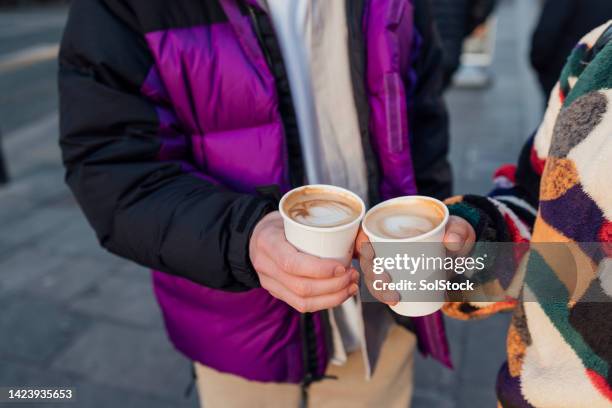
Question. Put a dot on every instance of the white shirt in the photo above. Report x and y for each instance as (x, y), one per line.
(313, 36)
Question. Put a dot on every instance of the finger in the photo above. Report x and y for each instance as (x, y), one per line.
(294, 262)
(307, 304)
(366, 263)
(298, 263)
(390, 297)
(363, 246)
(332, 300)
(307, 287)
(456, 233)
(277, 290)
(460, 237)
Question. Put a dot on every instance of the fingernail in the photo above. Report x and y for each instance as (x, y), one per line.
(454, 237)
(353, 289)
(339, 271)
(355, 276)
(393, 298)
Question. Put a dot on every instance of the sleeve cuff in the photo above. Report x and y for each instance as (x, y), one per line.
(238, 251)
(484, 226)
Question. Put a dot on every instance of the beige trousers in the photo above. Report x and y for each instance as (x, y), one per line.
(390, 387)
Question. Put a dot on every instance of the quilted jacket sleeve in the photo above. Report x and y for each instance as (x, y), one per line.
(130, 172)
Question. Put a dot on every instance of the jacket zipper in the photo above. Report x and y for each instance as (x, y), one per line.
(309, 339)
(309, 356)
(259, 35)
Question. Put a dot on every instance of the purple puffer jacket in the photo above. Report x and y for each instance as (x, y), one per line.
(217, 112)
(253, 334)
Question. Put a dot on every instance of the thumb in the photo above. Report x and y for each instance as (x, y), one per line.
(459, 237)
(363, 247)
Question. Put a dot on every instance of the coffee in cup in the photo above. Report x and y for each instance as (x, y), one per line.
(405, 219)
(322, 220)
(412, 226)
(321, 207)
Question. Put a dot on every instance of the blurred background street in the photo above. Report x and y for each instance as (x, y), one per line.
(70, 314)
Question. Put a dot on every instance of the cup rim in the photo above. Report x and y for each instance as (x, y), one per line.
(351, 224)
(418, 238)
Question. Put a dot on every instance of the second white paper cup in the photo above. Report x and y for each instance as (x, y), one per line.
(388, 248)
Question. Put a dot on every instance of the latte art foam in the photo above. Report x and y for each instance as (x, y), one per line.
(406, 220)
(317, 207)
(404, 226)
(322, 213)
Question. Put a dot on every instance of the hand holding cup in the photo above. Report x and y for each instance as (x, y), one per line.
(458, 240)
(305, 282)
(303, 252)
(365, 253)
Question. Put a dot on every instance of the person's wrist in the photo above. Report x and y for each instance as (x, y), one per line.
(259, 228)
(240, 260)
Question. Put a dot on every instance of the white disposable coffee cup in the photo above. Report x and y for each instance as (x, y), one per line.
(324, 242)
(433, 246)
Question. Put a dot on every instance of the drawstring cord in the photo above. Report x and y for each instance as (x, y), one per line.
(192, 381)
(305, 387)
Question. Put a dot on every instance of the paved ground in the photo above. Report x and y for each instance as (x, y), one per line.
(74, 315)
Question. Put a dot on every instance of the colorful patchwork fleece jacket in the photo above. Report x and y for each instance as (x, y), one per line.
(559, 353)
